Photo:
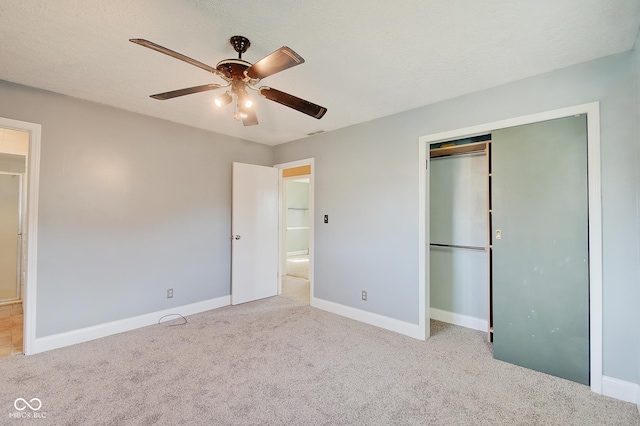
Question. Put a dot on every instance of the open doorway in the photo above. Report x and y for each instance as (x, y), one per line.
(20, 150)
(296, 253)
(14, 148)
(295, 281)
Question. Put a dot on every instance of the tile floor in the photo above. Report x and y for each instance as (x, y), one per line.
(11, 329)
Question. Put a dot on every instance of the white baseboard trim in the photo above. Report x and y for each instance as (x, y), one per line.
(619, 389)
(458, 319)
(81, 335)
(391, 324)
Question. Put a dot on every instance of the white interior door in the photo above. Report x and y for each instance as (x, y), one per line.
(254, 233)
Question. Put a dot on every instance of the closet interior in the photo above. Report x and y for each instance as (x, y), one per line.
(460, 229)
(509, 246)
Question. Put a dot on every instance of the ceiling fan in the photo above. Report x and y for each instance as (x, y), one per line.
(240, 75)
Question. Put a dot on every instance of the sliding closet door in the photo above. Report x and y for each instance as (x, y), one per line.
(540, 247)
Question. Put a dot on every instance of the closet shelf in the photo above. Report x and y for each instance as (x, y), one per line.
(296, 228)
(296, 208)
(458, 149)
(458, 246)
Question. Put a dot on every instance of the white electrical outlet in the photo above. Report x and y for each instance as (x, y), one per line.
(364, 295)
(169, 293)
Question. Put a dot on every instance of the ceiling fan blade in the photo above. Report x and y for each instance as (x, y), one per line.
(277, 61)
(158, 48)
(181, 92)
(291, 101)
(251, 119)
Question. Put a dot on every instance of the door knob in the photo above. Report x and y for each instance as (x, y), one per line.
(235, 237)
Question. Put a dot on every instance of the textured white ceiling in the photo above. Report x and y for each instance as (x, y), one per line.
(365, 59)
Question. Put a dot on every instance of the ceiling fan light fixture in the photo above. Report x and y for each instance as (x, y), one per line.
(244, 100)
(224, 99)
(243, 109)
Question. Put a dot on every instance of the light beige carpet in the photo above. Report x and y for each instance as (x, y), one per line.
(280, 362)
(295, 288)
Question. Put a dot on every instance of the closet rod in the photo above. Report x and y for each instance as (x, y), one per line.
(459, 246)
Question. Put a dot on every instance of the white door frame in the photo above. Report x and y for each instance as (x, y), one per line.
(31, 228)
(281, 244)
(592, 110)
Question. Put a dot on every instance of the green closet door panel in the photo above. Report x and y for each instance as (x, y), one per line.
(540, 263)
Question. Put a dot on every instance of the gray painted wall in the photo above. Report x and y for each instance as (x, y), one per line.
(129, 207)
(366, 181)
(370, 242)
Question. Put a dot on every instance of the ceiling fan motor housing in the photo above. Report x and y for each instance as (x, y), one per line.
(240, 44)
(233, 69)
